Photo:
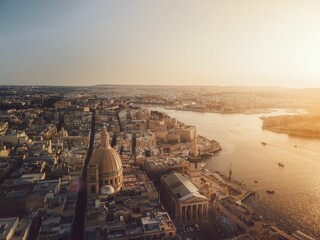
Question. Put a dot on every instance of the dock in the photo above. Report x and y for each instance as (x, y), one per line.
(238, 190)
(245, 190)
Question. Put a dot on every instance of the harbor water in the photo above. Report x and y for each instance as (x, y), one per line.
(295, 204)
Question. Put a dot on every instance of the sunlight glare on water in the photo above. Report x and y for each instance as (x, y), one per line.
(296, 202)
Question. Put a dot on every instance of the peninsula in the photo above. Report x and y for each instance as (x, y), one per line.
(297, 125)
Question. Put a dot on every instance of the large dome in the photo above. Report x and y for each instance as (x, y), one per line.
(108, 165)
(106, 157)
(108, 160)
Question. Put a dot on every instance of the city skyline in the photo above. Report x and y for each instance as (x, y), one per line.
(169, 43)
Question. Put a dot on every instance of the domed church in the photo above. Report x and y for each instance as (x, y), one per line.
(104, 168)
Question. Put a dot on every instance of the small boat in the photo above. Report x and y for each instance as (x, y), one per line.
(280, 164)
(270, 191)
(263, 143)
(296, 146)
(256, 181)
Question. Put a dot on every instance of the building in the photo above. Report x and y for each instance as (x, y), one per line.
(62, 133)
(8, 227)
(146, 140)
(14, 138)
(182, 198)
(105, 167)
(187, 133)
(194, 167)
(4, 152)
(62, 104)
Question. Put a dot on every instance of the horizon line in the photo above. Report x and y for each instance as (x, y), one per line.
(160, 85)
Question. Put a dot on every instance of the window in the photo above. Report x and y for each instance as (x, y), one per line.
(92, 177)
(111, 181)
(2, 228)
(93, 189)
(116, 180)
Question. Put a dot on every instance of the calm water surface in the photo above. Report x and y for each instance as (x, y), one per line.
(296, 202)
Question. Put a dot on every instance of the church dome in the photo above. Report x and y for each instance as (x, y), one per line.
(108, 165)
(106, 157)
(108, 160)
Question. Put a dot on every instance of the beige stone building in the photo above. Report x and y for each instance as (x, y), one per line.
(146, 140)
(187, 133)
(105, 167)
(182, 198)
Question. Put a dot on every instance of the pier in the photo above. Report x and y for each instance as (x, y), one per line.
(236, 189)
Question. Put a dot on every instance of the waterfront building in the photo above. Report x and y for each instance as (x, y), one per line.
(187, 133)
(158, 166)
(182, 198)
(194, 167)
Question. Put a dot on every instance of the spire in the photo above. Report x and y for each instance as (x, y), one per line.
(104, 138)
(194, 147)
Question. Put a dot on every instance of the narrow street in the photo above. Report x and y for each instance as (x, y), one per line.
(78, 229)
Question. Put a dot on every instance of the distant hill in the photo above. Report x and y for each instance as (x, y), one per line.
(281, 91)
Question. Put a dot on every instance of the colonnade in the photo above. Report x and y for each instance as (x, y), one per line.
(194, 211)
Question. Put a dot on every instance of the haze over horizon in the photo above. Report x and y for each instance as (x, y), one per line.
(220, 43)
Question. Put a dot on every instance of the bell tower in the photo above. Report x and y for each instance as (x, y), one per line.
(194, 166)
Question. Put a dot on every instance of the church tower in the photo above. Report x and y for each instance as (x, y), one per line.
(194, 166)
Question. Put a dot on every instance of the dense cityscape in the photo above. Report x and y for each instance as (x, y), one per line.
(94, 163)
(171, 120)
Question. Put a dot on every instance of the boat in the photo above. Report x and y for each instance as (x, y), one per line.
(270, 191)
(263, 143)
(296, 146)
(280, 164)
(256, 181)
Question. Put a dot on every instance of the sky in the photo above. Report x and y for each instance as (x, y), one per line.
(180, 42)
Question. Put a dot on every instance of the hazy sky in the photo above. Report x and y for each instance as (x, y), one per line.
(226, 42)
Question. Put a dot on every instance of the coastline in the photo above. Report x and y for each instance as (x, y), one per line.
(214, 147)
(245, 112)
(290, 133)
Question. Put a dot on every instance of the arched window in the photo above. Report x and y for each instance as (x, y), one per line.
(116, 180)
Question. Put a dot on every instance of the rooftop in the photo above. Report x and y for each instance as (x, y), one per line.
(181, 187)
(6, 224)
